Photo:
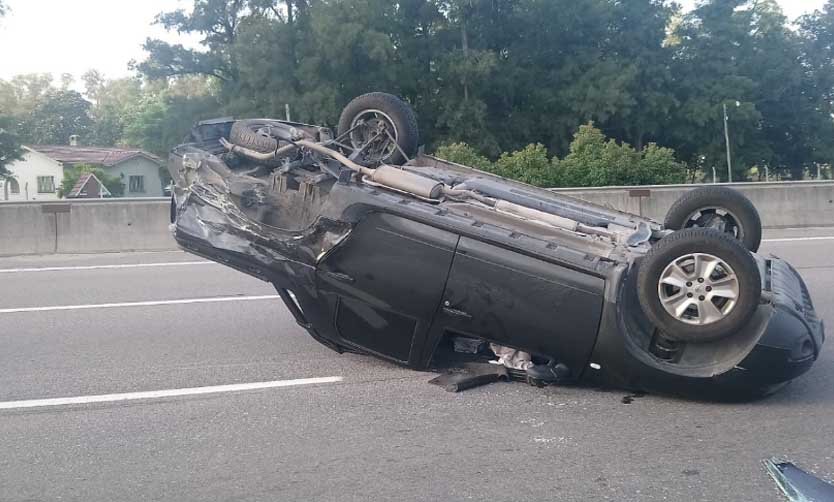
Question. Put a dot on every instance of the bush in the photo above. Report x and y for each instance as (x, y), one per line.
(593, 161)
(596, 161)
(530, 165)
(463, 154)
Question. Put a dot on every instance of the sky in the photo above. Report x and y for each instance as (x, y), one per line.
(63, 36)
(73, 36)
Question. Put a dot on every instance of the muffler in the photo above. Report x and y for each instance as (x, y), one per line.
(408, 182)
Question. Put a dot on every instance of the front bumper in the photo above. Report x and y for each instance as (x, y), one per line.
(782, 341)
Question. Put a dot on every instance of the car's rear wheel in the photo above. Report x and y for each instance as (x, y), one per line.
(699, 285)
(382, 125)
(719, 208)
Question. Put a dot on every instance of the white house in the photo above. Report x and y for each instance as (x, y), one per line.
(35, 177)
(39, 175)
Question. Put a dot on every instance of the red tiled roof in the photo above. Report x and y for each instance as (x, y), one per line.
(82, 183)
(106, 157)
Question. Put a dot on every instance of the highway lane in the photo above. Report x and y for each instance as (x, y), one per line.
(381, 433)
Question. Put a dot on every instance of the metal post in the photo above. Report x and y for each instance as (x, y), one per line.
(819, 172)
(767, 174)
(287, 110)
(714, 175)
(727, 141)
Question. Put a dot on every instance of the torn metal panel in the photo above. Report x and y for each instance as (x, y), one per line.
(797, 485)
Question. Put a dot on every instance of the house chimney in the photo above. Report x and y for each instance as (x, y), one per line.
(74, 140)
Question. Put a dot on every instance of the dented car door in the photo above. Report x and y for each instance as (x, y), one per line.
(384, 283)
(514, 300)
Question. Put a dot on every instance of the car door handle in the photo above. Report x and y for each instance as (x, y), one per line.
(341, 277)
(457, 313)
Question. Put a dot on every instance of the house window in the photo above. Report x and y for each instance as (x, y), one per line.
(14, 187)
(46, 184)
(137, 184)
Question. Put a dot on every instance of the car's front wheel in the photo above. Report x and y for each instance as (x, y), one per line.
(699, 285)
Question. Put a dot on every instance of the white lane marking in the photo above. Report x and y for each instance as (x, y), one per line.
(157, 394)
(219, 299)
(799, 239)
(102, 267)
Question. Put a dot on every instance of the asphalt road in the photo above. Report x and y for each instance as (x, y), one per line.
(380, 433)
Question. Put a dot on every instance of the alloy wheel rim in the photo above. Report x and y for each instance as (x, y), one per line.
(698, 289)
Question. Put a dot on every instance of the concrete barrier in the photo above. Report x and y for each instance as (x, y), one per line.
(114, 225)
(781, 205)
(85, 226)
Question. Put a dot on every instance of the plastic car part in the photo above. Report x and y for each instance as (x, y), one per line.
(470, 376)
(720, 208)
(797, 485)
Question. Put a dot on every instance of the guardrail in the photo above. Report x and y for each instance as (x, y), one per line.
(85, 226)
(115, 225)
(785, 204)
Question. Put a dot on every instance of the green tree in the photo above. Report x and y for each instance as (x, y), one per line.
(502, 75)
(165, 112)
(59, 115)
(111, 101)
(10, 147)
(217, 21)
(20, 95)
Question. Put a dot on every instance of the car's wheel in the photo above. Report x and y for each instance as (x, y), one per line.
(698, 285)
(255, 134)
(383, 124)
(719, 208)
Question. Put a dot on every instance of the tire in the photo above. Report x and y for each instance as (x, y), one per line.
(741, 219)
(712, 249)
(401, 117)
(245, 133)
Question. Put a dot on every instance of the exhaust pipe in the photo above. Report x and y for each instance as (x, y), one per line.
(407, 182)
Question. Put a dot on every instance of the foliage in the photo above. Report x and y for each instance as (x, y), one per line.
(112, 183)
(463, 154)
(496, 75)
(593, 160)
(162, 116)
(10, 148)
(596, 161)
(500, 75)
(530, 165)
(57, 116)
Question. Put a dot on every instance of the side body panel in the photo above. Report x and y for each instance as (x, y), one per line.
(520, 301)
(384, 284)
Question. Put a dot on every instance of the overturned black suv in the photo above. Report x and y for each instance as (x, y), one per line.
(379, 250)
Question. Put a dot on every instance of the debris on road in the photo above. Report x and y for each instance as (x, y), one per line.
(797, 485)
